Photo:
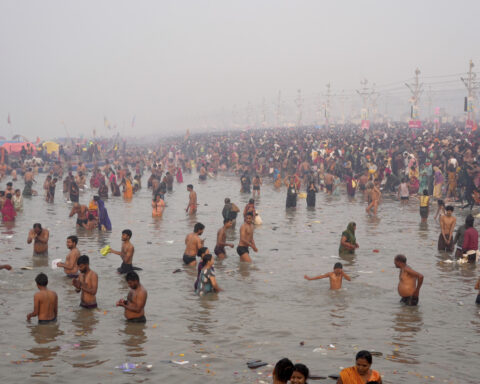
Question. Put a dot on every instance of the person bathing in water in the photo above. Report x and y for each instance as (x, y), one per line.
(335, 277)
(410, 281)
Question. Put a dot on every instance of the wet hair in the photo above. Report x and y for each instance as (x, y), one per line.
(198, 227)
(9, 184)
(364, 355)
(37, 225)
(83, 260)
(338, 265)
(190, 186)
(251, 201)
(226, 220)
(127, 232)
(132, 276)
(73, 238)
(227, 200)
(249, 214)
(41, 279)
(303, 369)
(469, 220)
(201, 251)
(401, 258)
(449, 208)
(425, 192)
(207, 258)
(440, 203)
(283, 370)
(96, 198)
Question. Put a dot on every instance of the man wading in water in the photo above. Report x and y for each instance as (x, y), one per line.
(193, 243)
(126, 253)
(39, 236)
(410, 281)
(246, 239)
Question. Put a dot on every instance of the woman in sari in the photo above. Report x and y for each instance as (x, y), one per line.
(104, 223)
(8, 211)
(113, 185)
(361, 372)
(127, 188)
(179, 175)
(207, 282)
(348, 242)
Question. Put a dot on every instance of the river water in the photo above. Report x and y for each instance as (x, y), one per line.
(267, 308)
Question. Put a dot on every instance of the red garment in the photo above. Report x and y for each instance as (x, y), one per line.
(8, 212)
(470, 240)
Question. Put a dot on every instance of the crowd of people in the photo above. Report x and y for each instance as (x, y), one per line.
(427, 165)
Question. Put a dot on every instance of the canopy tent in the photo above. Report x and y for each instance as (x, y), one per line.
(16, 146)
(50, 147)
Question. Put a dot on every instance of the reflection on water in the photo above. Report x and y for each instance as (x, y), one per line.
(135, 338)
(85, 320)
(407, 323)
(45, 334)
(39, 261)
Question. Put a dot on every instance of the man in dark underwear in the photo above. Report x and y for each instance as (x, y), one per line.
(45, 302)
(87, 283)
(222, 239)
(410, 282)
(70, 265)
(126, 253)
(81, 211)
(137, 298)
(246, 239)
(40, 237)
(192, 244)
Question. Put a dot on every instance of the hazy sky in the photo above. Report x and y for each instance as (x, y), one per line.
(170, 63)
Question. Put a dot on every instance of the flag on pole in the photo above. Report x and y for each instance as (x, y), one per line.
(9, 121)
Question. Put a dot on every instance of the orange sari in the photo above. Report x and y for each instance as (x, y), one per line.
(351, 376)
(128, 193)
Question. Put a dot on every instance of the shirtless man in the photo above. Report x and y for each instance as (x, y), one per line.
(447, 225)
(409, 283)
(335, 277)
(70, 265)
(45, 302)
(87, 283)
(374, 195)
(39, 236)
(126, 253)
(81, 211)
(192, 200)
(192, 244)
(222, 239)
(137, 298)
(246, 239)
(256, 182)
(328, 180)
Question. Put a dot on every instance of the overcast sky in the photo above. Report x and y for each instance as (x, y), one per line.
(169, 63)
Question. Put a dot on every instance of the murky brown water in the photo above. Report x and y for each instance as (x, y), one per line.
(267, 308)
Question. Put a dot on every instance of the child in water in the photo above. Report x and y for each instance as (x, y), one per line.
(335, 277)
(440, 209)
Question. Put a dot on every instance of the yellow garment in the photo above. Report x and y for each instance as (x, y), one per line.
(351, 376)
(128, 190)
(424, 201)
(92, 206)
